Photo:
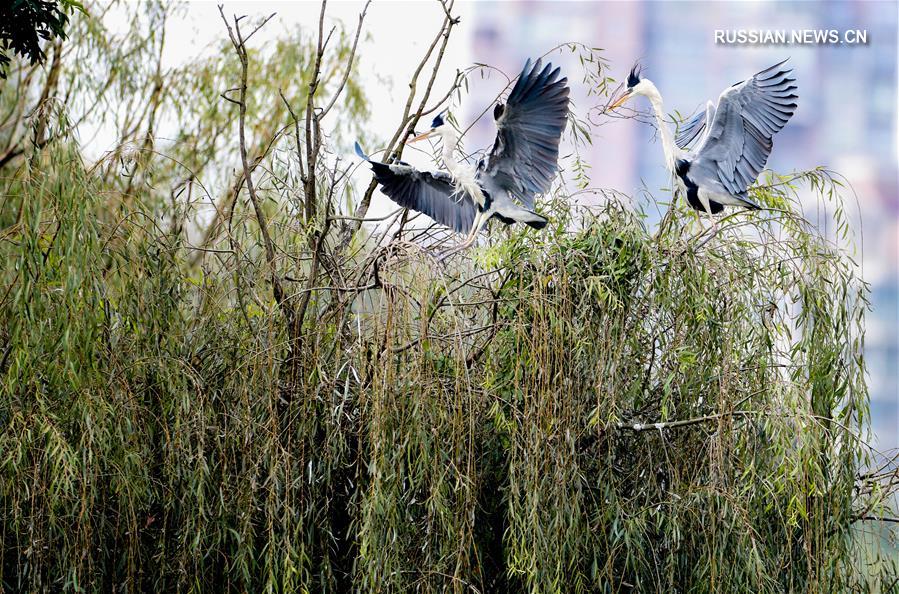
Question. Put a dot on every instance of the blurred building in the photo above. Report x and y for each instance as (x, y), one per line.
(847, 116)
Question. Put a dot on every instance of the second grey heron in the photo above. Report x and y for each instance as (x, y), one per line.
(520, 165)
(735, 137)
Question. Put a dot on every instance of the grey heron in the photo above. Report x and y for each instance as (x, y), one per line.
(735, 137)
(520, 165)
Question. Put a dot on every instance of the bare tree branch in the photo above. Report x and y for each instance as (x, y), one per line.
(349, 65)
(240, 48)
(407, 122)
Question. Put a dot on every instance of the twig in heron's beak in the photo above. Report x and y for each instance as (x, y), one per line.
(621, 100)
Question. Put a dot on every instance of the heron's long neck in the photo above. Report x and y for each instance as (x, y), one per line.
(672, 152)
(450, 138)
(464, 175)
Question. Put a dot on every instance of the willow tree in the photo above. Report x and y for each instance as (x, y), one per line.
(217, 373)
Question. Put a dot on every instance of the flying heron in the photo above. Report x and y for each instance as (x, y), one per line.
(735, 138)
(520, 165)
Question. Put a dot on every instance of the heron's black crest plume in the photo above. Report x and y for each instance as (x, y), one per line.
(438, 120)
(633, 79)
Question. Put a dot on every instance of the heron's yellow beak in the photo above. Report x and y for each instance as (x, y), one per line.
(420, 137)
(621, 100)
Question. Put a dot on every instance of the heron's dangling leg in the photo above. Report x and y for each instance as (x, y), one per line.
(480, 220)
(708, 209)
(698, 221)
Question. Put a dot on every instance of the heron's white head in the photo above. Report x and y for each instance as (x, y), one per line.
(440, 126)
(637, 86)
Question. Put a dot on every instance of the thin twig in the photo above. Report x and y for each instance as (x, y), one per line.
(349, 65)
(240, 48)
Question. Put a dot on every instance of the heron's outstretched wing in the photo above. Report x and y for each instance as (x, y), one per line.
(433, 194)
(525, 155)
(693, 128)
(749, 114)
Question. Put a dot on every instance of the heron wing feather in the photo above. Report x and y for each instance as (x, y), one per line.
(524, 157)
(694, 127)
(748, 116)
(431, 193)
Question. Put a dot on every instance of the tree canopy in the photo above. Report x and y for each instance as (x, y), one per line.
(25, 23)
(219, 372)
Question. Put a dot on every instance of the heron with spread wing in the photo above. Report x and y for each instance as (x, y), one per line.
(521, 164)
(734, 138)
